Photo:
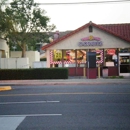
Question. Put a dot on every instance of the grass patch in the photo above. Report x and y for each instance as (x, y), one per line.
(116, 77)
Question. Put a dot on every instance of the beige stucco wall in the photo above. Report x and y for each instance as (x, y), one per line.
(109, 41)
(32, 55)
(4, 49)
(48, 58)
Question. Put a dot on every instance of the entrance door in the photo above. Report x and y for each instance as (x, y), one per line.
(124, 64)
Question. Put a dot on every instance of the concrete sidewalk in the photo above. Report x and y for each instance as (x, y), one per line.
(6, 84)
(70, 81)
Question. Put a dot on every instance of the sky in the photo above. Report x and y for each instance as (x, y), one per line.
(73, 16)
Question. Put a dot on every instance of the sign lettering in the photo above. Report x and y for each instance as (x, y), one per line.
(90, 41)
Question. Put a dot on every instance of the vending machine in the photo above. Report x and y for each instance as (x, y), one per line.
(124, 64)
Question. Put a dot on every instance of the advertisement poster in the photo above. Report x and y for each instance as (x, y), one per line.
(70, 55)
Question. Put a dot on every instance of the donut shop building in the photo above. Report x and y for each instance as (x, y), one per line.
(86, 50)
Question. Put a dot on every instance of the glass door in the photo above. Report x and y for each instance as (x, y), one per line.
(124, 64)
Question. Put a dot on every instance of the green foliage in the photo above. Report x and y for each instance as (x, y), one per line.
(44, 59)
(121, 77)
(21, 21)
(39, 73)
(116, 77)
(3, 21)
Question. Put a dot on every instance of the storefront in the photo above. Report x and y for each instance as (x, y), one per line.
(73, 51)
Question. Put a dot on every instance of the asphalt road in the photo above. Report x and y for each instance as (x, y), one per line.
(71, 107)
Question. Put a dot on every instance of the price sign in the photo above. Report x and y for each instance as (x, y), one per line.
(58, 55)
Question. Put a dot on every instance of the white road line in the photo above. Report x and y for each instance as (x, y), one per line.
(34, 102)
(30, 115)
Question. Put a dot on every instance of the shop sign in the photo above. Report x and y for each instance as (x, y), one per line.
(90, 41)
(111, 51)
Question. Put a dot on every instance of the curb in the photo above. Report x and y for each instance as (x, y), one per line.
(64, 83)
(5, 88)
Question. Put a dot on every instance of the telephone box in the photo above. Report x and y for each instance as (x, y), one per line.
(91, 65)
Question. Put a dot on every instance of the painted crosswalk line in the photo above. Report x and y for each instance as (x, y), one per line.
(10, 123)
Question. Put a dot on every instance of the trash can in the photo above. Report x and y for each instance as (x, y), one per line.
(105, 72)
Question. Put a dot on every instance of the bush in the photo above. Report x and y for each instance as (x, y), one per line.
(38, 73)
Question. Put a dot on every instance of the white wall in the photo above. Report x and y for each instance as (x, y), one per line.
(32, 55)
(41, 64)
(14, 63)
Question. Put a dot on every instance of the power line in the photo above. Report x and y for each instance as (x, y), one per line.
(92, 2)
(75, 3)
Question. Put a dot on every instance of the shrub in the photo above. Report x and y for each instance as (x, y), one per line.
(37, 73)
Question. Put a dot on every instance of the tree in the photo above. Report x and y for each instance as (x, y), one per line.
(3, 21)
(24, 19)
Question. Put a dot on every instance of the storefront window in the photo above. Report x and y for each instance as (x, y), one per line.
(111, 57)
(70, 59)
(81, 56)
(56, 58)
(99, 55)
(124, 61)
(124, 64)
(69, 56)
(124, 50)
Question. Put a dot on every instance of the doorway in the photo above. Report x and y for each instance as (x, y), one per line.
(124, 64)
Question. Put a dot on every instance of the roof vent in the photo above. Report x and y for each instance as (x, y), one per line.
(90, 22)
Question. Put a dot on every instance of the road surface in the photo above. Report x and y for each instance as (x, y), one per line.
(70, 107)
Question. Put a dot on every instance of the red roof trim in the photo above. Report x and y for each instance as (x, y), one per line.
(111, 32)
(81, 28)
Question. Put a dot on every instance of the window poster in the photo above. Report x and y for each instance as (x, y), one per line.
(81, 56)
(70, 56)
(111, 57)
(111, 51)
(99, 56)
(57, 55)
